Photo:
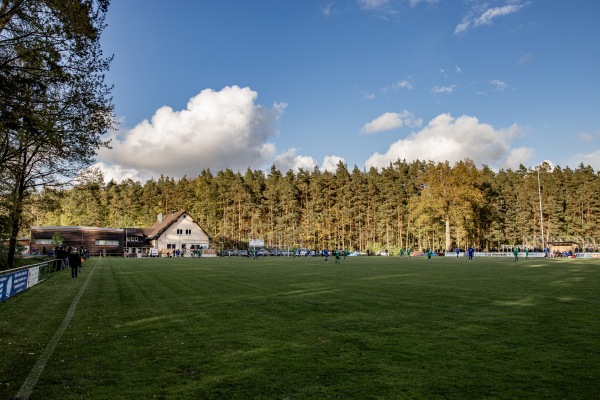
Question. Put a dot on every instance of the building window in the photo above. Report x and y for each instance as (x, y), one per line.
(103, 242)
(133, 239)
(170, 246)
(43, 241)
(188, 231)
(179, 231)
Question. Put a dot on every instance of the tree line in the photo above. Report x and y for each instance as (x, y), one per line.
(54, 104)
(415, 204)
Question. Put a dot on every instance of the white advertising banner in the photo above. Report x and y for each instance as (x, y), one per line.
(33, 277)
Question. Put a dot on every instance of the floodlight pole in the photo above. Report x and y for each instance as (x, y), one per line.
(541, 215)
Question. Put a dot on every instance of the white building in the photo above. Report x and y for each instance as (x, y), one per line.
(177, 231)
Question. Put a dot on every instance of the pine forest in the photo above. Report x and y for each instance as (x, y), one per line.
(408, 204)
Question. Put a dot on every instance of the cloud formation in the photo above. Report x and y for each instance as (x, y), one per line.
(454, 139)
(217, 130)
(485, 16)
(414, 3)
(373, 4)
(330, 163)
(389, 121)
(443, 89)
(326, 9)
(290, 160)
(406, 84)
(498, 85)
(592, 159)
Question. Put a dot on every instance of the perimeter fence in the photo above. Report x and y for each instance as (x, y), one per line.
(17, 280)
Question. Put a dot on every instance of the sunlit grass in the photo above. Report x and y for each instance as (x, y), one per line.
(276, 328)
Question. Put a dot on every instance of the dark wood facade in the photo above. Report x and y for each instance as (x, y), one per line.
(96, 240)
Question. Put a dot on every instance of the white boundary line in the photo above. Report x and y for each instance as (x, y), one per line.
(27, 387)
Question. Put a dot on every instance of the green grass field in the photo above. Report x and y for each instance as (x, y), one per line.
(282, 328)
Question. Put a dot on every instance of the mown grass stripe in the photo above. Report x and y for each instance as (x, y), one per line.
(29, 384)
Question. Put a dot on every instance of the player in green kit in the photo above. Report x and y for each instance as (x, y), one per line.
(429, 252)
(516, 253)
(408, 251)
(337, 256)
(402, 253)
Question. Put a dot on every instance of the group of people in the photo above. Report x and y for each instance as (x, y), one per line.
(181, 252)
(563, 254)
(70, 257)
(470, 253)
(337, 253)
(408, 252)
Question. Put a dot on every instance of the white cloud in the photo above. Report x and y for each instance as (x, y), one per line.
(462, 27)
(443, 89)
(401, 84)
(495, 12)
(592, 159)
(414, 3)
(326, 9)
(289, 160)
(485, 16)
(373, 4)
(119, 173)
(404, 84)
(217, 130)
(389, 121)
(499, 85)
(518, 156)
(453, 139)
(330, 163)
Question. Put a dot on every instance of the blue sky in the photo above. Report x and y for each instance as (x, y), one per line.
(298, 84)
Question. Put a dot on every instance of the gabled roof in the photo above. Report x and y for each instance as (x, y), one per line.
(159, 227)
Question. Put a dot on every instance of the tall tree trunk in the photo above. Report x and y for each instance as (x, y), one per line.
(448, 243)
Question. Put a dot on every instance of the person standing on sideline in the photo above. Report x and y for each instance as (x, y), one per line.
(74, 263)
(516, 253)
(470, 251)
(80, 251)
(457, 252)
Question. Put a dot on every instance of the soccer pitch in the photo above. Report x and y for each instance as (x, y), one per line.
(297, 328)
